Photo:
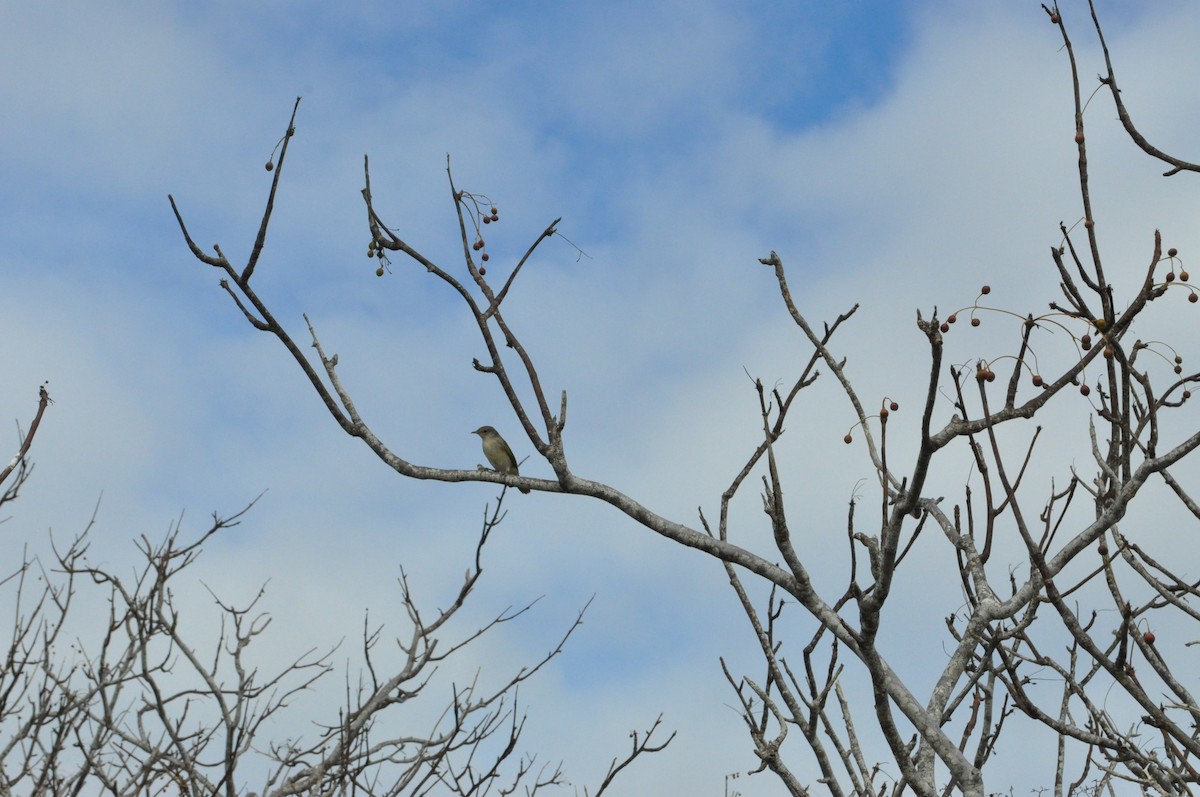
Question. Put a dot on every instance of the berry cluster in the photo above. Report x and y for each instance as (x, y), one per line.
(953, 317)
(1173, 253)
(375, 249)
(1098, 326)
(482, 211)
(887, 408)
(984, 373)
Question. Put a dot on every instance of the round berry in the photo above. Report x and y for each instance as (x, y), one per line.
(944, 327)
(269, 166)
(484, 257)
(482, 271)
(1172, 252)
(1037, 380)
(1149, 637)
(1170, 276)
(1103, 549)
(379, 271)
(487, 219)
(985, 290)
(1193, 298)
(1084, 389)
(975, 322)
(848, 439)
(1086, 342)
(952, 318)
(1079, 137)
(894, 406)
(1183, 275)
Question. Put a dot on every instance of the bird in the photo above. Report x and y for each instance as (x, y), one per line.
(498, 453)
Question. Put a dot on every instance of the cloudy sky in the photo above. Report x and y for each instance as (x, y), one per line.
(898, 155)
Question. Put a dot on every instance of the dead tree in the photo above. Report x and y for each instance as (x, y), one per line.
(144, 704)
(1014, 621)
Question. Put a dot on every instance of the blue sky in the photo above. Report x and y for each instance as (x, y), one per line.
(894, 154)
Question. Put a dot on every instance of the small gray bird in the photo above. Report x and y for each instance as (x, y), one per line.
(498, 453)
